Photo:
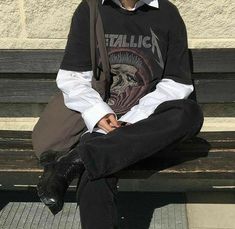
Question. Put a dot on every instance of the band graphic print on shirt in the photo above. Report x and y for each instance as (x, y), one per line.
(133, 59)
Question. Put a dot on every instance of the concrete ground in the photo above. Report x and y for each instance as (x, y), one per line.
(211, 210)
(201, 210)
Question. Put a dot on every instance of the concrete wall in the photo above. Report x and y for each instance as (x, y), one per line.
(44, 24)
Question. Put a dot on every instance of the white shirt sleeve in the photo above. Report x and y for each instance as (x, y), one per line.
(166, 89)
(80, 96)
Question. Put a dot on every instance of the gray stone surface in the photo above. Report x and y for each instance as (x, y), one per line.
(48, 19)
(214, 210)
(44, 24)
(34, 215)
(208, 19)
(10, 25)
(136, 211)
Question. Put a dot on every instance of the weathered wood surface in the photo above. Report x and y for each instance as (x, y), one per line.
(193, 146)
(34, 110)
(213, 60)
(209, 154)
(204, 163)
(48, 61)
(30, 61)
(41, 90)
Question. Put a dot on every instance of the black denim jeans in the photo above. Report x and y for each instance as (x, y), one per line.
(105, 154)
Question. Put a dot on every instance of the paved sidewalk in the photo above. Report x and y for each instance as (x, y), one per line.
(203, 210)
(136, 211)
(211, 210)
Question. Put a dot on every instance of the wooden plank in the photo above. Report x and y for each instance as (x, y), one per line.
(181, 160)
(16, 153)
(190, 159)
(51, 76)
(209, 136)
(213, 76)
(220, 136)
(15, 144)
(218, 110)
(11, 134)
(14, 138)
(40, 91)
(48, 61)
(27, 75)
(30, 61)
(33, 110)
(203, 167)
(217, 142)
(26, 91)
(211, 91)
(213, 60)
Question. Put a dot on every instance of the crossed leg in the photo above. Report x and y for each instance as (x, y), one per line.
(103, 155)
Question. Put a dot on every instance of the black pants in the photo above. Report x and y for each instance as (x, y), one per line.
(104, 154)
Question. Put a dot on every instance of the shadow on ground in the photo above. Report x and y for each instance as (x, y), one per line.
(136, 210)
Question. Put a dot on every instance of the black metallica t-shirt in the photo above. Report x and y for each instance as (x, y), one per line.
(144, 46)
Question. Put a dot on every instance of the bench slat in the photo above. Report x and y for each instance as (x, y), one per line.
(9, 140)
(40, 91)
(201, 167)
(12, 134)
(30, 61)
(213, 60)
(209, 136)
(189, 157)
(48, 61)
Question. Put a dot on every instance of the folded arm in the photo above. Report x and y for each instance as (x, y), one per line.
(80, 96)
(176, 81)
(166, 89)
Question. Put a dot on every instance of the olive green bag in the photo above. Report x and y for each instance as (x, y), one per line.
(59, 128)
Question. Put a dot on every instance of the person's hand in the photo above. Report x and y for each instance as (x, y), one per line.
(108, 123)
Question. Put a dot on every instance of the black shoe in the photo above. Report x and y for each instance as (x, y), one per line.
(59, 172)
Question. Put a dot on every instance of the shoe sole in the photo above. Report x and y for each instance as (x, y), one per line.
(52, 205)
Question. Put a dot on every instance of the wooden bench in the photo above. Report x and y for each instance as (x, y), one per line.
(206, 162)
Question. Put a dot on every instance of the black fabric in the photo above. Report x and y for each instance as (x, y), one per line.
(98, 202)
(144, 46)
(172, 121)
(77, 55)
(97, 199)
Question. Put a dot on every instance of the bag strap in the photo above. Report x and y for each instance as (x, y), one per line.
(93, 16)
(102, 47)
(97, 35)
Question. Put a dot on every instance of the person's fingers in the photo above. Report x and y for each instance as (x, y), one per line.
(103, 124)
(113, 121)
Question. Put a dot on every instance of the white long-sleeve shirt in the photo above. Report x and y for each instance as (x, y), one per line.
(80, 96)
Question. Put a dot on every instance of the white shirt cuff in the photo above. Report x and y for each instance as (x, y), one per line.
(93, 114)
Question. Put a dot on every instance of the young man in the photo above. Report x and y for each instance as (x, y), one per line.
(148, 109)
